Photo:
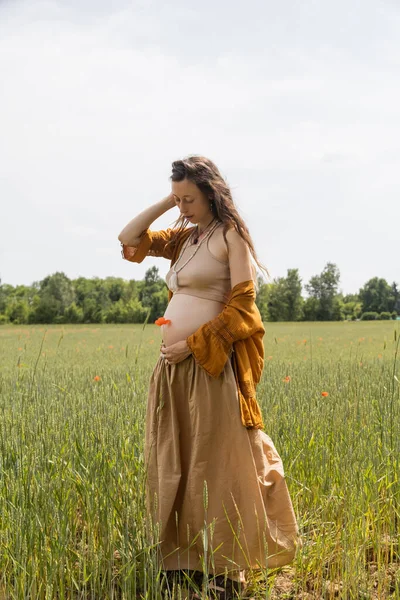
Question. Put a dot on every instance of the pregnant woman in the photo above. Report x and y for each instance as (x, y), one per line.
(215, 481)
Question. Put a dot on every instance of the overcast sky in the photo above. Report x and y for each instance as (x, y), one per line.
(297, 102)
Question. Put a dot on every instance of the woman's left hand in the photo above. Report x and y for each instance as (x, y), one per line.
(176, 352)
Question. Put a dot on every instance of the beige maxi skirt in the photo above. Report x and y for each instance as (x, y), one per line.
(216, 489)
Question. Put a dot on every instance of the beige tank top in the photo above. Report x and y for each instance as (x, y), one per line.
(205, 275)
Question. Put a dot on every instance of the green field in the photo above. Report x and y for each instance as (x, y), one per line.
(72, 406)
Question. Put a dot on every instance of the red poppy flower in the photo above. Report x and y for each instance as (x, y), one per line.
(161, 321)
(325, 394)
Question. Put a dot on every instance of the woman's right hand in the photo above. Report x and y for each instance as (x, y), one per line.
(176, 352)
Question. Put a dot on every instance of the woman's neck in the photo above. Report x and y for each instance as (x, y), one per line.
(201, 227)
(197, 237)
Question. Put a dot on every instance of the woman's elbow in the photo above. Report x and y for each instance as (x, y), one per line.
(124, 238)
(128, 241)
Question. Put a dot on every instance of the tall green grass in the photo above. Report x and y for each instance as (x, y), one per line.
(73, 522)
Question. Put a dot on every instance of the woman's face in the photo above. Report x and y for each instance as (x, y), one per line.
(191, 201)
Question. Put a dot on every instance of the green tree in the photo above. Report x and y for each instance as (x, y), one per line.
(115, 287)
(56, 293)
(376, 295)
(294, 300)
(395, 298)
(310, 309)
(159, 304)
(281, 300)
(60, 288)
(92, 311)
(154, 294)
(262, 298)
(135, 312)
(131, 290)
(73, 314)
(116, 313)
(337, 309)
(351, 298)
(6, 292)
(130, 312)
(277, 305)
(92, 296)
(18, 312)
(352, 310)
(46, 310)
(323, 288)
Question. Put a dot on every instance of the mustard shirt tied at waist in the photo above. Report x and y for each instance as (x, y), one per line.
(237, 332)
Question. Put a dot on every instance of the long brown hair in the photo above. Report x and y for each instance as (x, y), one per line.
(205, 174)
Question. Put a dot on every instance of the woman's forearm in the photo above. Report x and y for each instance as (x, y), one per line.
(132, 231)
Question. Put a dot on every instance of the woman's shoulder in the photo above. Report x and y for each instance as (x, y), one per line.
(223, 240)
(234, 238)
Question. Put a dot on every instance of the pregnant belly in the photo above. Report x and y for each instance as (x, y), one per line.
(187, 314)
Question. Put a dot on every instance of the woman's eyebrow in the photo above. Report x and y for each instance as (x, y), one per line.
(185, 196)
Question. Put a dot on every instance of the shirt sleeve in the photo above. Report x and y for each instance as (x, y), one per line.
(152, 243)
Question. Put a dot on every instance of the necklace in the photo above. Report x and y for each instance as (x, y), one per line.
(197, 234)
(173, 280)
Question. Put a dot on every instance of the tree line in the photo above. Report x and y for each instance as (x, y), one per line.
(58, 299)
(282, 299)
